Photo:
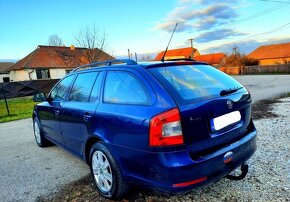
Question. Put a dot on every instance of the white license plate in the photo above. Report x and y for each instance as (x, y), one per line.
(226, 120)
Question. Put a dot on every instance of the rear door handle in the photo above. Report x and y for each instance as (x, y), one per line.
(87, 116)
(56, 113)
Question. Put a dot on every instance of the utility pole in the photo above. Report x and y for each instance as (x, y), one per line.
(191, 42)
(5, 99)
(235, 50)
(129, 55)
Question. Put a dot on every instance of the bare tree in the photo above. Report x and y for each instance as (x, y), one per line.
(145, 58)
(55, 40)
(286, 60)
(92, 39)
(238, 59)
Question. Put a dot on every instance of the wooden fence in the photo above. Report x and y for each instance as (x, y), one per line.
(269, 69)
(25, 88)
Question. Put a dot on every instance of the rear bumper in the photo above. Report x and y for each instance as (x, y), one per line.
(177, 171)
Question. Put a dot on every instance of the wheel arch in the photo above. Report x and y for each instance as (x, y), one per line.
(33, 115)
(89, 143)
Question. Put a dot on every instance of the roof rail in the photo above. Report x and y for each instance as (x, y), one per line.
(180, 59)
(108, 63)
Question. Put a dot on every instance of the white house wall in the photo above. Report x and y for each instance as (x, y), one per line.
(23, 75)
(57, 73)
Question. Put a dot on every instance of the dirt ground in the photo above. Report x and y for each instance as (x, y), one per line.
(84, 191)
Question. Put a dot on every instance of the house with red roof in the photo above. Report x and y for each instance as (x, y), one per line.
(179, 53)
(272, 54)
(51, 62)
(214, 59)
(4, 73)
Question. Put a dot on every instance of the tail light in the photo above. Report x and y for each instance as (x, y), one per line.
(165, 129)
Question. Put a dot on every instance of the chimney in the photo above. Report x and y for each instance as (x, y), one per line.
(72, 47)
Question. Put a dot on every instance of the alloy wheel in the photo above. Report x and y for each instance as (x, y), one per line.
(102, 171)
(37, 132)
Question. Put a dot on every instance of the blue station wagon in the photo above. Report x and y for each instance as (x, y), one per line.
(169, 126)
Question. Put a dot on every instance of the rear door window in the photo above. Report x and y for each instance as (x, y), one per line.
(124, 88)
(82, 87)
(188, 83)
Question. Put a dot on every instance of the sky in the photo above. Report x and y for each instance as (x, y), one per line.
(144, 26)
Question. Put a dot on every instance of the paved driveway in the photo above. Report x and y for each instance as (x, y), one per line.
(265, 86)
(27, 171)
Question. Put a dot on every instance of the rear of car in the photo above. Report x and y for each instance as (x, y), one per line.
(205, 135)
(167, 125)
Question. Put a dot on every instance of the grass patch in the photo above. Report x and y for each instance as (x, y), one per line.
(20, 108)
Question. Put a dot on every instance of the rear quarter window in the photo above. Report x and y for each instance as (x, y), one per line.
(188, 83)
(124, 88)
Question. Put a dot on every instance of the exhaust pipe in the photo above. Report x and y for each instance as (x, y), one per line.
(244, 169)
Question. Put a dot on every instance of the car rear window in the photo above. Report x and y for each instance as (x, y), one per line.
(188, 83)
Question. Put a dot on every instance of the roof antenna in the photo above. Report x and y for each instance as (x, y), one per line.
(169, 42)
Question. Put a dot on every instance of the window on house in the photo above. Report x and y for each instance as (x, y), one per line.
(6, 79)
(42, 74)
(67, 71)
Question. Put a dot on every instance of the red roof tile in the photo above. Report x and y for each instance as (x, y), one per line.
(56, 57)
(184, 52)
(211, 59)
(273, 51)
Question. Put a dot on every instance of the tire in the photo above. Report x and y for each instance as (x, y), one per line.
(38, 134)
(106, 173)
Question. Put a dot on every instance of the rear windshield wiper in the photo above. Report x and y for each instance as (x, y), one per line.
(229, 91)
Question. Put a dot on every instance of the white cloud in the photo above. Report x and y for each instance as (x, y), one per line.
(206, 1)
(205, 23)
(209, 20)
(191, 18)
(169, 26)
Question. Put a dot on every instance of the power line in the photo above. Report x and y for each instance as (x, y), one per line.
(285, 2)
(263, 33)
(258, 14)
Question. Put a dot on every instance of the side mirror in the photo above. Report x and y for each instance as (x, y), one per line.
(39, 97)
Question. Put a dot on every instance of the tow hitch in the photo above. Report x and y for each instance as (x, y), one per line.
(244, 169)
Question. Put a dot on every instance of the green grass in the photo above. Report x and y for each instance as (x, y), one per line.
(20, 108)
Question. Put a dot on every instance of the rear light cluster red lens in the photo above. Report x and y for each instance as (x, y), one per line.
(184, 184)
(165, 129)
